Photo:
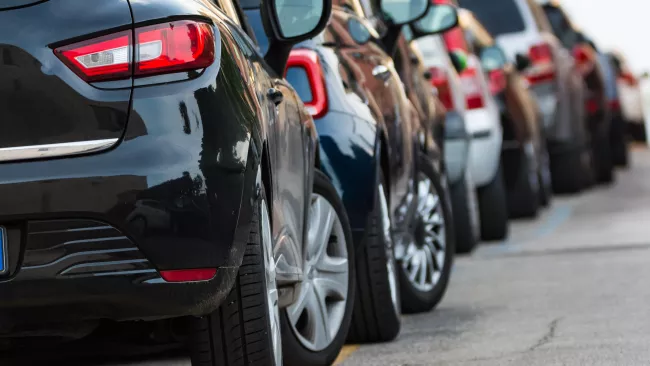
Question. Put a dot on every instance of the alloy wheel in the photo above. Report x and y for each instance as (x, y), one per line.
(317, 314)
(424, 257)
(271, 285)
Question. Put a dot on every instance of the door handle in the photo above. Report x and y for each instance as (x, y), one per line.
(381, 72)
(275, 95)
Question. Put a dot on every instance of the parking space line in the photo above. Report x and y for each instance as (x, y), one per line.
(346, 352)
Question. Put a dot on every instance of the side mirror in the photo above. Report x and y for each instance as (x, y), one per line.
(493, 58)
(459, 60)
(439, 18)
(400, 12)
(288, 22)
(522, 62)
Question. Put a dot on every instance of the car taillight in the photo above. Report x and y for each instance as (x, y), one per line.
(498, 81)
(584, 59)
(615, 105)
(472, 89)
(542, 65)
(160, 49)
(628, 78)
(310, 62)
(440, 80)
(591, 105)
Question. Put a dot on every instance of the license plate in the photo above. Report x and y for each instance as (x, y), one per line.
(3, 250)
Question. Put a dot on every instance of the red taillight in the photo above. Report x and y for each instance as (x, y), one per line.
(584, 59)
(472, 89)
(189, 275)
(498, 81)
(542, 65)
(440, 80)
(103, 58)
(591, 105)
(310, 62)
(628, 78)
(615, 105)
(160, 49)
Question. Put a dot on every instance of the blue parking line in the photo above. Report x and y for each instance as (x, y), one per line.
(559, 216)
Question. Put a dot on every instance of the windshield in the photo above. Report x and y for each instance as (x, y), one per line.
(498, 16)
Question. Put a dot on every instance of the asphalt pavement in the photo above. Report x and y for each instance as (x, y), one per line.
(570, 288)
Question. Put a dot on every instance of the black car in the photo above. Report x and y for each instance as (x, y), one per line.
(156, 166)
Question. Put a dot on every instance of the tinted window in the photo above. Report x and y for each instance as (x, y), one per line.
(561, 27)
(498, 16)
(249, 4)
(255, 20)
(297, 77)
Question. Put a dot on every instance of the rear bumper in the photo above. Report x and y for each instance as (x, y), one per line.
(87, 236)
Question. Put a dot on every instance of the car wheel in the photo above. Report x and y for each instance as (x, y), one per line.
(618, 139)
(523, 197)
(245, 330)
(493, 208)
(604, 164)
(544, 177)
(465, 210)
(571, 170)
(314, 328)
(376, 315)
(426, 255)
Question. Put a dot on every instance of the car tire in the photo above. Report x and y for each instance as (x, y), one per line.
(425, 265)
(570, 174)
(545, 178)
(326, 297)
(603, 159)
(376, 315)
(493, 208)
(245, 330)
(465, 210)
(524, 197)
(619, 142)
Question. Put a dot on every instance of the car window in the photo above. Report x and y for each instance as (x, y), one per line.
(561, 26)
(297, 77)
(254, 17)
(498, 16)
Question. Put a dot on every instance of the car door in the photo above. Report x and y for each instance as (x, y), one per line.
(286, 151)
(388, 91)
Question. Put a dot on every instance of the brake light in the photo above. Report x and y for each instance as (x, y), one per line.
(498, 81)
(628, 78)
(160, 49)
(472, 88)
(615, 105)
(189, 275)
(310, 62)
(542, 65)
(591, 106)
(584, 59)
(440, 80)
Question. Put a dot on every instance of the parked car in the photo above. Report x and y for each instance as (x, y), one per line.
(443, 68)
(199, 122)
(630, 97)
(596, 106)
(617, 134)
(522, 29)
(524, 155)
(483, 123)
(424, 253)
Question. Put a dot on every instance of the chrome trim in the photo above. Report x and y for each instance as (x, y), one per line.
(54, 150)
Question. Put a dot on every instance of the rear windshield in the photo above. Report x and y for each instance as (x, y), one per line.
(498, 16)
(561, 27)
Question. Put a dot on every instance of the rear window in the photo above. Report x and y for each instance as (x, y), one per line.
(297, 77)
(498, 16)
(560, 25)
(249, 4)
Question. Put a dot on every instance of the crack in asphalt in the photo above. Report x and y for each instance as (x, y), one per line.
(548, 336)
